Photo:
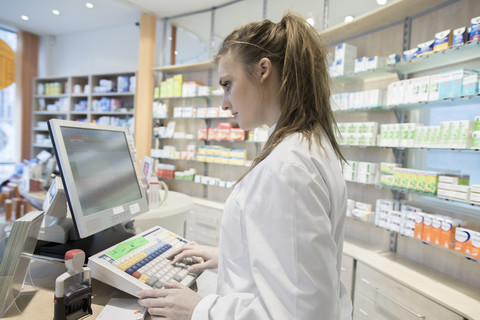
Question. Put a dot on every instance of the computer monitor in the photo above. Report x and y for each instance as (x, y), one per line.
(98, 173)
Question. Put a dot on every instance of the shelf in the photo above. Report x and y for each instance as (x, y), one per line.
(211, 96)
(394, 12)
(79, 95)
(199, 66)
(189, 181)
(210, 140)
(369, 75)
(109, 113)
(223, 164)
(450, 56)
(51, 96)
(50, 112)
(192, 118)
(40, 129)
(113, 94)
(36, 145)
(462, 101)
(450, 251)
(412, 148)
(406, 191)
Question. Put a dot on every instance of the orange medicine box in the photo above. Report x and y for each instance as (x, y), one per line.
(418, 231)
(447, 233)
(475, 245)
(427, 227)
(436, 229)
(463, 240)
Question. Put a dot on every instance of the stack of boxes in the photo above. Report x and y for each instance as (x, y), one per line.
(344, 60)
(476, 134)
(361, 211)
(455, 187)
(358, 133)
(223, 132)
(415, 180)
(218, 154)
(358, 100)
(361, 172)
(475, 194)
(467, 241)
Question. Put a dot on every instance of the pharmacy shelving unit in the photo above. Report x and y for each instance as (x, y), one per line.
(205, 73)
(399, 26)
(73, 98)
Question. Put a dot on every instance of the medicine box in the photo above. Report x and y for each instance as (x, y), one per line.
(451, 83)
(459, 36)
(393, 58)
(443, 40)
(433, 90)
(475, 245)
(475, 29)
(345, 51)
(425, 48)
(410, 54)
(360, 64)
(470, 84)
(375, 62)
(463, 240)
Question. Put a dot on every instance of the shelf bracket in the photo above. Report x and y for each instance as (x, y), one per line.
(393, 241)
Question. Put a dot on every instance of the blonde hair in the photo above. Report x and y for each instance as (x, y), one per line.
(297, 50)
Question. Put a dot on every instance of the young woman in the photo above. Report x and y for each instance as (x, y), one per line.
(283, 226)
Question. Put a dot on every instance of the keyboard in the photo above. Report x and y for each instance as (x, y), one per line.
(140, 262)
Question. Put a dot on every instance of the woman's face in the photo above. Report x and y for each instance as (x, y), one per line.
(242, 94)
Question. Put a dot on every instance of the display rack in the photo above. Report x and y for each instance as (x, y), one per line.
(205, 73)
(73, 98)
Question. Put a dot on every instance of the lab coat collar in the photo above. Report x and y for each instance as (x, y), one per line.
(270, 131)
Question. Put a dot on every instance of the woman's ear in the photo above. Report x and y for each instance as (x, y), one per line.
(265, 68)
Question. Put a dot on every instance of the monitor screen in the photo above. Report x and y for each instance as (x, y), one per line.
(98, 173)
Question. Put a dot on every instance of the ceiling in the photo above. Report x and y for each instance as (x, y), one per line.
(75, 17)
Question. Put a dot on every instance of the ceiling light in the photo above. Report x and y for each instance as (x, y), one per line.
(176, 52)
(89, 5)
(55, 12)
(311, 21)
(382, 2)
(24, 17)
(348, 18)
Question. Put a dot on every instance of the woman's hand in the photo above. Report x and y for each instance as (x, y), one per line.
(208, 254)
(176, 302)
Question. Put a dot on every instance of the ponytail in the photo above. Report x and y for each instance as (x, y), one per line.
(297, 50)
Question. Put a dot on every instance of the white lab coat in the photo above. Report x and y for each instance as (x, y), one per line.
(281, 240)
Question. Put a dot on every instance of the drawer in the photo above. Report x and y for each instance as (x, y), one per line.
(347, 272)
(396, 300)
(364, 309)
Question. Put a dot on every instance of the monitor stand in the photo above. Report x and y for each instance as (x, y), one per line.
(90, 245)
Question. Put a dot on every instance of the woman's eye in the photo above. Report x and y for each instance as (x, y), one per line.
(226, 85)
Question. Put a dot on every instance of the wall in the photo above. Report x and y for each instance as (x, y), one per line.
(109, 50)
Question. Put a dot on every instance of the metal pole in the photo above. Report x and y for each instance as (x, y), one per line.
(212, 33)
(264, 9)
(326, 4)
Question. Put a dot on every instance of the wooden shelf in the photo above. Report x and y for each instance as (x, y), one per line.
(199, 66)
(394, 12)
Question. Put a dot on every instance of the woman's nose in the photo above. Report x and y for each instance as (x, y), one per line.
(226, 104)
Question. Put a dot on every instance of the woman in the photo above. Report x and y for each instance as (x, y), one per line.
(283, 225)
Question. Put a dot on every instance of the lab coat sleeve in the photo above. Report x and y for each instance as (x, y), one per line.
(293, 256)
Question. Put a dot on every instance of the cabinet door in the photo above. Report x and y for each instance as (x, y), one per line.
(395, 300)
(347, 270)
